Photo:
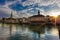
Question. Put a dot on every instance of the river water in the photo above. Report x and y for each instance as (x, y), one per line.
(28, 32)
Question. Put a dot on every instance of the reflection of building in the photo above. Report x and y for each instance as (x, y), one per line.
(37, 18)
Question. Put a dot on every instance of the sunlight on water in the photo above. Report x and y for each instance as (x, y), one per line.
(54, 31)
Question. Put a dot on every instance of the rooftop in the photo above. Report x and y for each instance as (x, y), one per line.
(39, 15)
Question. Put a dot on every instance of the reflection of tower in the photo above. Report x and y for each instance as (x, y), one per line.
(10, 29)
(38, 12)
(11, 15)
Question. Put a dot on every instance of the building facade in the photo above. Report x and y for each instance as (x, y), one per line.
(37, 18)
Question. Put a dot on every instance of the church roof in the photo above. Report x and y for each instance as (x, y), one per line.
(39, 15)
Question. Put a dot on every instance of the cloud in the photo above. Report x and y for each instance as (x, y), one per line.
(24, 13)
(46, 2)
(7, 11)
(25, 8)
(46, 5)
(42, 3)
(39, 2)
(54, 12)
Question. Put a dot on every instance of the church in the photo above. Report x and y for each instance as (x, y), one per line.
(37, 18)
(9, 19)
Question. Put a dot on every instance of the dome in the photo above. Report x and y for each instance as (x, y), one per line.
(39, 15)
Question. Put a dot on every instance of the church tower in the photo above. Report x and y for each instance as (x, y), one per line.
(38, 12)
(11, 15)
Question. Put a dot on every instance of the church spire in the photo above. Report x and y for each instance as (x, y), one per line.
(11, 15)
(38, 12)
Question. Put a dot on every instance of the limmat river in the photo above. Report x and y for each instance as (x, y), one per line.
(28, 32)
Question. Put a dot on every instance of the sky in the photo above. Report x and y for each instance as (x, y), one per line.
(26, 8)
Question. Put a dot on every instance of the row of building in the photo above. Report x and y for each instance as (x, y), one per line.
(38, 19)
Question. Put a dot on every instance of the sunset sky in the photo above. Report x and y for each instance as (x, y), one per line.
(26, 8)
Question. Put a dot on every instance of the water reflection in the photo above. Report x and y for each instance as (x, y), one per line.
(28, 32)
(38, 29)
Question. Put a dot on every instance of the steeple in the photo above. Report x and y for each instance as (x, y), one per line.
(11, 15)
(38, 12)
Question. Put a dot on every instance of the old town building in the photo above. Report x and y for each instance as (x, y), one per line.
(57, 19)
(37, 18)
(9, 20)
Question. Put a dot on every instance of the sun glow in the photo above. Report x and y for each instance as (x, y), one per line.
(55, 14)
